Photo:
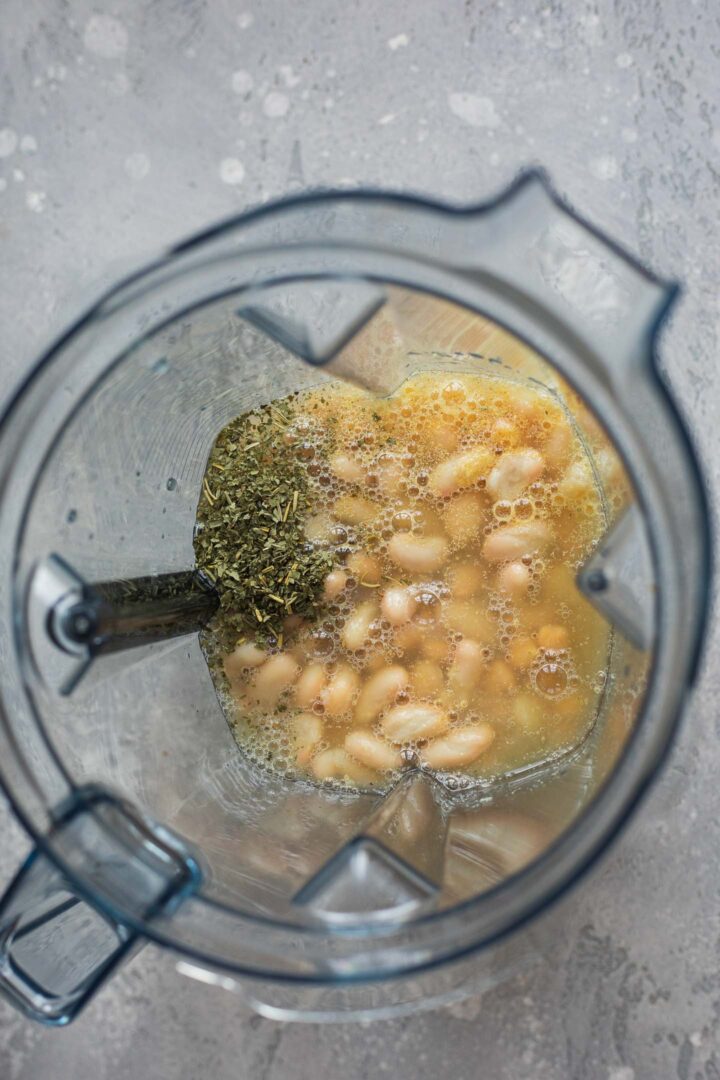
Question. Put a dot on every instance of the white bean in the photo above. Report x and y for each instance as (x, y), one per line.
(336, 764)
(390, 473)
(310, 685)
(460, 471)
(364, 567)
(339, 693)
(346, 468)
(335, 582)
(242, 657)
(355, 510)
(379, 691)
(514, 541)
(514, 471)
(418, 554)
(354, 633)
(372, 751)
(459, 747)
(578, 482)
(406, 723)
(308, 732)
(275, 676)
(514, 578)
(398, 605)
(467, 667)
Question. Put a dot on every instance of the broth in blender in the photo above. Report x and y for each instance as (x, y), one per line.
(425, 611)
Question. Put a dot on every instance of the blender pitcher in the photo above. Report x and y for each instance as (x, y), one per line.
(148, 821)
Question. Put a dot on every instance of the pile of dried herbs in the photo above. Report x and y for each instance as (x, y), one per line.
(249, 539)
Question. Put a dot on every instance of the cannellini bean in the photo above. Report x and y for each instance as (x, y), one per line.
(336, 764)
(514, 471)
(308, 731)
(466, 670)
(527, 711)
(335, 582)
(398, 605)
(418, 554)
(499, 678)
(273, 678)
(465, 580)
(459, 747)
(364, 567)
(514, 578)
(310, 685)
(578, 482)
(354, 633)
(522, 653)
(372, 751)
(552, 636)
(340, 691)
(460, 471)
(468, 617)
(426, 679)
(242, 657)
(464, 517)
(514, 541)
(346, 468)
(354, 510)
(406, 723)
(434, 647)
(379, 691)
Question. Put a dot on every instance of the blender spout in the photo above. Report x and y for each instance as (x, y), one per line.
(393, 867)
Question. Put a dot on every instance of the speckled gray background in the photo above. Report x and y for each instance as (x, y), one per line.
(125, 126)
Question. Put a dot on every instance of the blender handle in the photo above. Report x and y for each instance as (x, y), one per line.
(58, 942)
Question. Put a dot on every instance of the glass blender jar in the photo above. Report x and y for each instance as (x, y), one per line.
(148, 822)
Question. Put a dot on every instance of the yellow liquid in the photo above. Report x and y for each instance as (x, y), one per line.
(459, 510)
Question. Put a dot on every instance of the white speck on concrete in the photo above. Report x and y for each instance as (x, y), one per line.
(18, 176)
(137, 165)
(624, 60)
(232, 171)
(8, 142)
(398, 42)
(621, 1072)
(28, 144)
(288, 75)
(604, 167)
(245, 20)
(629, 135)
(476, 111)
(387, 118)
(35, 201)
(105, 36)
(276, 104)
(696, 1039)
(242, 82)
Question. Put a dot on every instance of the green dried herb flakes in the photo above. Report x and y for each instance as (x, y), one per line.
(250, 539)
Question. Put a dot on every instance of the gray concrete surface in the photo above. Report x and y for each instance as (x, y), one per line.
(124, 126)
